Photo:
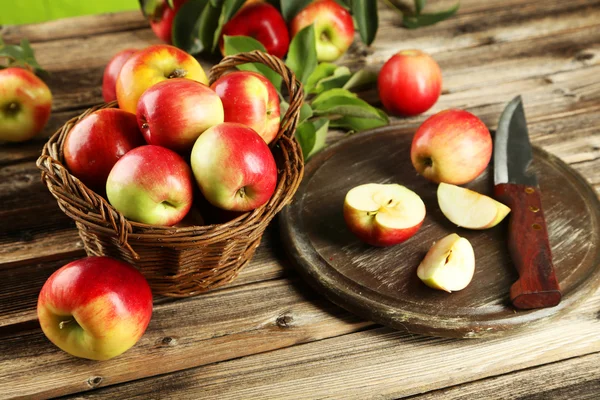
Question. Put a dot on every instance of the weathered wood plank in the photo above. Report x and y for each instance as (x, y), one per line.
(377, 363)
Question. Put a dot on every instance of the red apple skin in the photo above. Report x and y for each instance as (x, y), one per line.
(452, 146)
(331, 21)
(234, 167)
(173, 113)
(25, 104)
(409, 83)
(162, 22)
(97, 142)
(250, 99)
(107, 303)
(262, 22)
(109, 79)
(152, 185)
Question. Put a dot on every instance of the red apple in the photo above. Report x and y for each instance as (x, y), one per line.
(150, 66)
(234, 167)
(152, 185)
(262, 22)
(173, 113)
(409, 83)
(383, 215)
(334, 28)
(250, 99)
(109, 79)
(161, 20)
(25, 103)
(96, 143)
(95, 308)
(452, 146)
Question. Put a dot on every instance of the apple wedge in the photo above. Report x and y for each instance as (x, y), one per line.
(449, 264)
(383, 214)
(469, 209)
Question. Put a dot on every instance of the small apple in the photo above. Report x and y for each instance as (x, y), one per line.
(334, 28)
(150, 66)
(452, 146)
(469, 209)
(409, 83)
(250, 99)
(234, 167)
(261, 21)
(96, 143)
(383, 215)
(449, 264)
(161, 19)
(25, 103)
(95, 308)
(109, 79)
(173, 113)
(152, 185)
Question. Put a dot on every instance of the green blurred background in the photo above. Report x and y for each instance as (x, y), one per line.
(31, 11)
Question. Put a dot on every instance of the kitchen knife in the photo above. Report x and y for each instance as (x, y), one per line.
(528, 244)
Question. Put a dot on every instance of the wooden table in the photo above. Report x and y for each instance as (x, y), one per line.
(267, 334)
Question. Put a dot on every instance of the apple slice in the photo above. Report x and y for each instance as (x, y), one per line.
(449, 264)
(469, 209)
(383, 214)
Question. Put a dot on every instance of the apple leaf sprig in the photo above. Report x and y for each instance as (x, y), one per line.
(19, 56)
(328, 102)
(413, 19)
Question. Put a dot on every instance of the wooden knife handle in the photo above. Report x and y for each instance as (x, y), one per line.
(537, 286)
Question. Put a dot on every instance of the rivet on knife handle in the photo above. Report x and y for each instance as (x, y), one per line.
(528, 243)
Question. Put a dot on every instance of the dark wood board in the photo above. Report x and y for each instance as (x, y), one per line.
(380, 284)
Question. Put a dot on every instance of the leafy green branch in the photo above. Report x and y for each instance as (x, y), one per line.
(413, 19)
(19, 56)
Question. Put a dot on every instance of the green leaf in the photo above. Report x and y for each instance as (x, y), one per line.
(302, 55)
(149, 7)
(22, 56)
(230, 7)
(354, 124)
(361, 78)
(242, 44)
(312, 136)
(289, 8)
(416, 21)
(420, 5)
(186, 26)
(338, 79)
(365, 14)
(206, 26)
(342, 103)
(305, 112)
(322, 71)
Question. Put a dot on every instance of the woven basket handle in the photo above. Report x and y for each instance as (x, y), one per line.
(293, 85)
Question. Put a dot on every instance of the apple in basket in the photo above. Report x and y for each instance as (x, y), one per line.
(152, 185)
(334, 28)
(173, 113)
(111, 72)
(96, 143)
(383, 214)
(150, 66)
(250, 99)
(95, 308)
(234, 167)
(25, 103)
(452, 146)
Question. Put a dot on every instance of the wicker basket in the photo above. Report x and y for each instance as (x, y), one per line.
(179, 262)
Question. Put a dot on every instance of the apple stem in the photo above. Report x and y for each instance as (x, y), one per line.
(178, 73)
(62, 324)
(242, 192)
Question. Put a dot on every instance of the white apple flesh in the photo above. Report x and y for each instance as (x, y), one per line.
(449, 264)
(469, 209)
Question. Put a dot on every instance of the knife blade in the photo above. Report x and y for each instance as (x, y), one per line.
(537, 286)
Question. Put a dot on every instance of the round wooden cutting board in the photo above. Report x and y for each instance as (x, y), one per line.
(381, 284)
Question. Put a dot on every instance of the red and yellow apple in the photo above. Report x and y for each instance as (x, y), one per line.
(250, 99)
(150, 66)
(234, 167)
(383, 214)
(452, 146)
(96, 143)
(173, 113)
(25, 103)
(161, 20)
(95, 308)
(111, 72)
(409, 83)
(449, 264)
(261, 21)
(334, 28)
(469, 209)
(152, 185)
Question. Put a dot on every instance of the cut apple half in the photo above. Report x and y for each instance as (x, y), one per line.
(469, 209)
(449, 264)
(383, 214)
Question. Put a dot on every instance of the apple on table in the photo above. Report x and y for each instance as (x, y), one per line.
(162, 17)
